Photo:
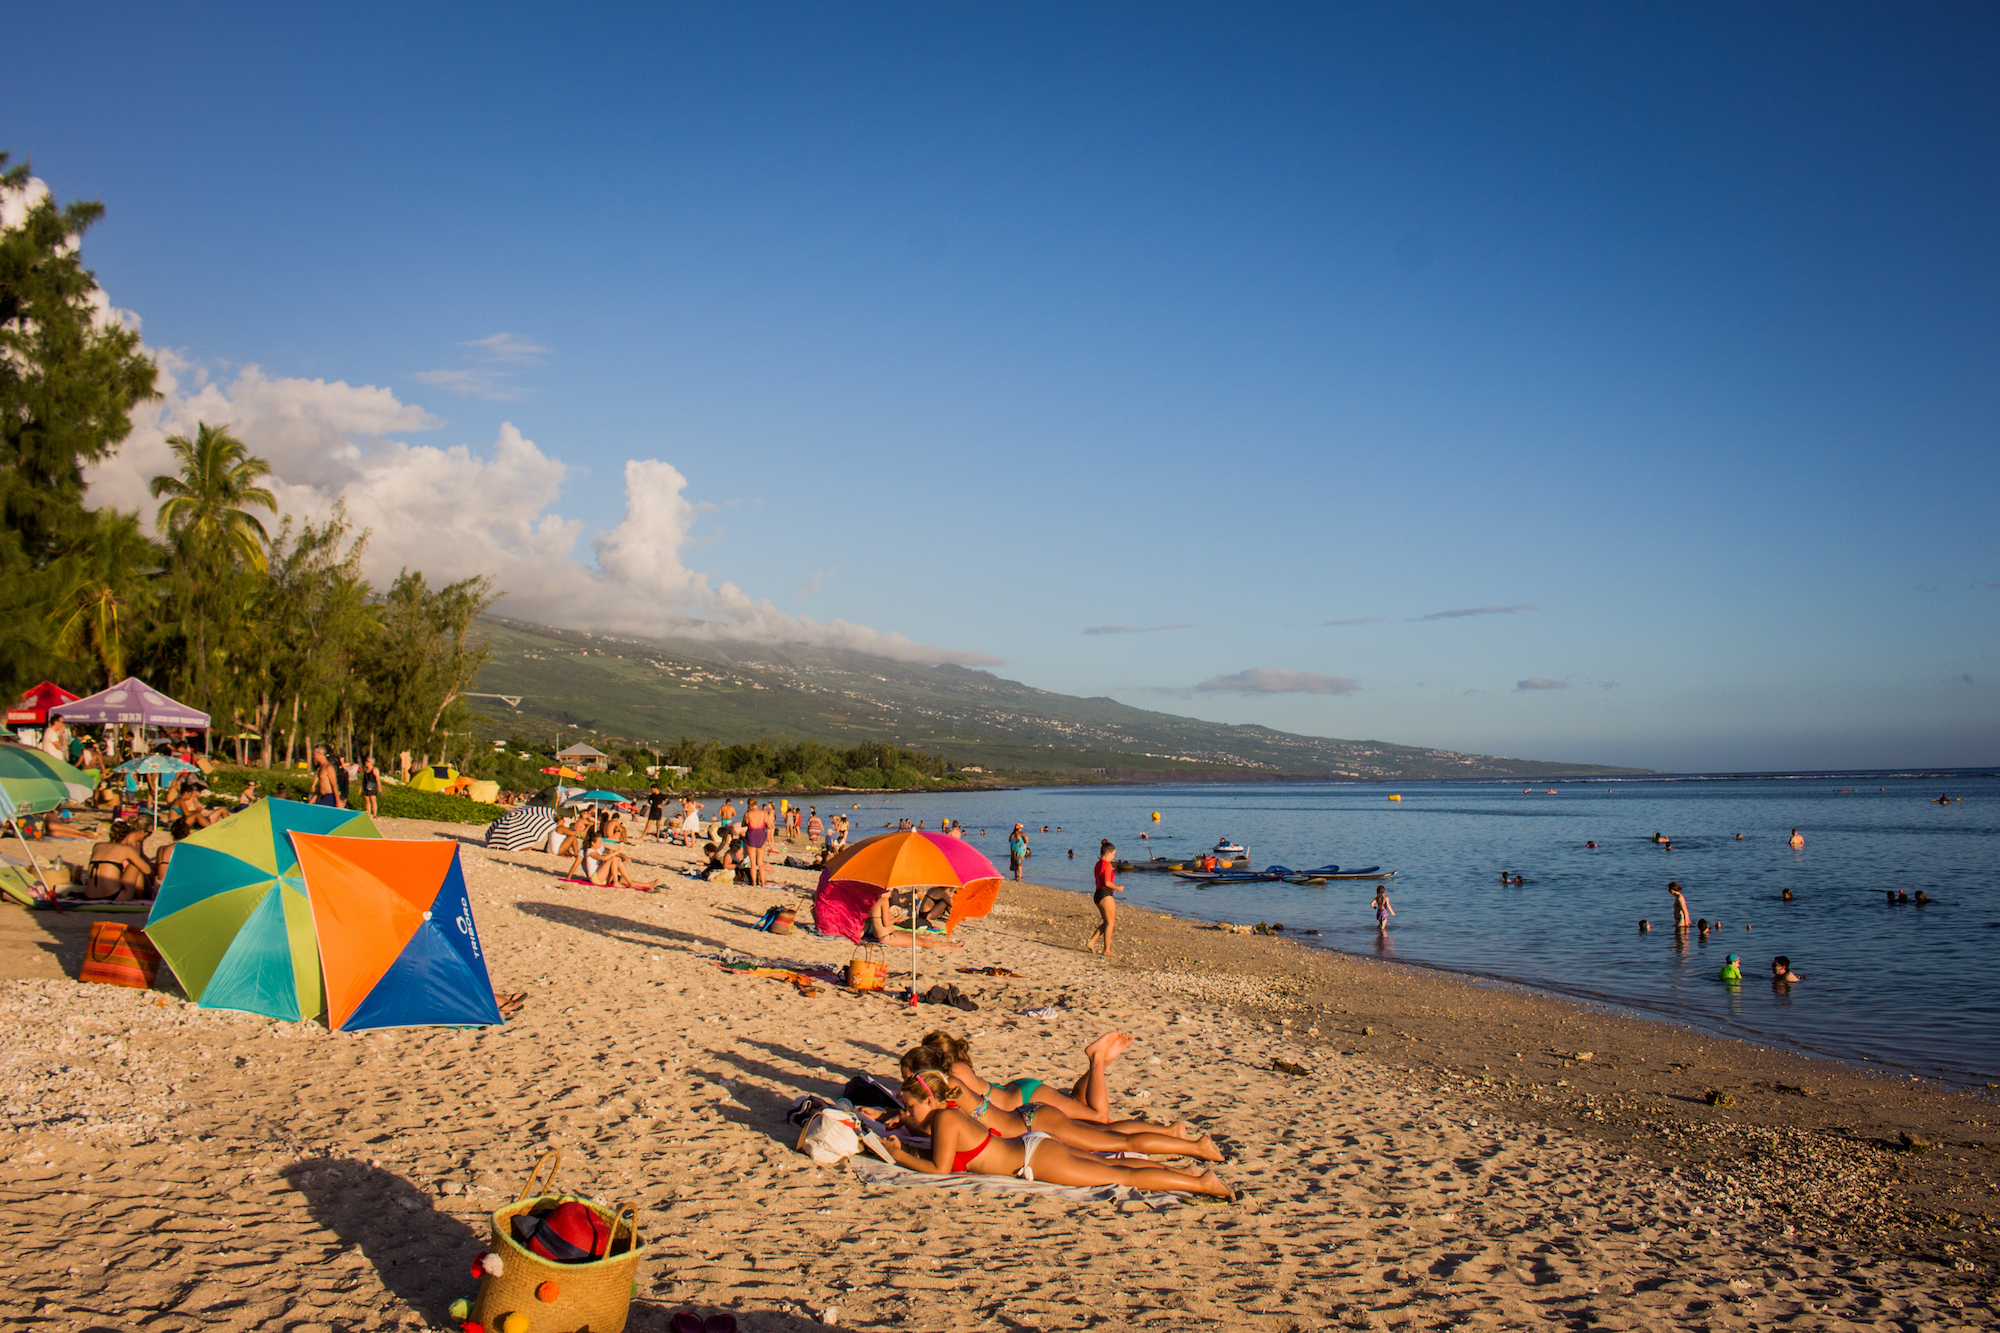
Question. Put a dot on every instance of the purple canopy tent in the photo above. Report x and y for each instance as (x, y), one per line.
(134, 703)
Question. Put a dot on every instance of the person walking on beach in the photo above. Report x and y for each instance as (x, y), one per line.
(325, 785)
(371, 783)
(1682, 917)
(839, 832)
(1106, 876)
(1382, 909)
(1017, 850)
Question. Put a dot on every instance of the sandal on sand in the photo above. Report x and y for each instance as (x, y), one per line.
(689, 1322)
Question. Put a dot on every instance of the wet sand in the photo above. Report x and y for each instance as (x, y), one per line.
(177, 1168)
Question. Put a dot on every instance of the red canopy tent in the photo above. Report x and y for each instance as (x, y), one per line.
(33, 710)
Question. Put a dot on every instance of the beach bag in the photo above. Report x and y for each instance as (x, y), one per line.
(868, 969)
(831, 1136)
(119, 955)
(554, 1296)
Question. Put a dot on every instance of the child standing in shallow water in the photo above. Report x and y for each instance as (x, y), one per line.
(1382, 909)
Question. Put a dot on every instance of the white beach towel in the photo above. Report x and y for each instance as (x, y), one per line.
(882, 1173)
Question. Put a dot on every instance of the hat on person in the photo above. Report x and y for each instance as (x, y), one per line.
(1732, 959)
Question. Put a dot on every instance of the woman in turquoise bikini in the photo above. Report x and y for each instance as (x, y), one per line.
(1089, 1100)
(961, 1144)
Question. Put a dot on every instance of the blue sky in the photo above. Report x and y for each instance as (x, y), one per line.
(1673, 328)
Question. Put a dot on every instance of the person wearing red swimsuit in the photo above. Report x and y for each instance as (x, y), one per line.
(1106, 876)
(961, 1144)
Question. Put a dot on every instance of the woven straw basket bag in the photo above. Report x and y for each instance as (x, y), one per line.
(591, 1297)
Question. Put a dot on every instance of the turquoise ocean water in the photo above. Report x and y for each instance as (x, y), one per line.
(1907, 987)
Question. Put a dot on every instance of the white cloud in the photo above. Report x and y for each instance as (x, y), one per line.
(456, 512)
(1539, 683)
(1133, 629)
(1277, 680)
(484, 379)
(507, 349)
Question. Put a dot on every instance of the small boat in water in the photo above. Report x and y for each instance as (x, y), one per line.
(1224, 847)
(1229, 876)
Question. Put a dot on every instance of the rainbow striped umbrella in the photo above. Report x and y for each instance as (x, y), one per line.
(234, 919)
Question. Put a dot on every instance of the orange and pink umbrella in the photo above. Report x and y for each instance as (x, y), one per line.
(858, 875)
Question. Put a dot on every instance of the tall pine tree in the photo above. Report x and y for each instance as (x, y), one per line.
(69, 379)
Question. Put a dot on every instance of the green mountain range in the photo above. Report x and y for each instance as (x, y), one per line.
(612, 691)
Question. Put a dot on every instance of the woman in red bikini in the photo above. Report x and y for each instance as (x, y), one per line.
(1139, 1136)
(961, 1144)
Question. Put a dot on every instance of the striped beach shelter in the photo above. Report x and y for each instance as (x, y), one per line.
(234, 919)
(523, 826)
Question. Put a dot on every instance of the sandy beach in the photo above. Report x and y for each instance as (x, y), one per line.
(1449, 1159)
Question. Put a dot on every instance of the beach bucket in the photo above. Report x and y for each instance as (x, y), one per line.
(782, 923)
(554, 1297)
(868, 970)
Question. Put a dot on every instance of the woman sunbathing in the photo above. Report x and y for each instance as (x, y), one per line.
(1140, 1136)
(1089, 1100)
(960, 1143)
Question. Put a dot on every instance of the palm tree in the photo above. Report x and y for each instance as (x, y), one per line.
(206, 504)
(101, 588)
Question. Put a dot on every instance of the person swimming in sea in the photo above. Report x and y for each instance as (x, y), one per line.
(1645, 926)
(1589, 846)
(1702, 926)
(1921, 898)
(1788, 895)
(1797, 839)
(1781, 972)
(1732, 969)
(1902, 897)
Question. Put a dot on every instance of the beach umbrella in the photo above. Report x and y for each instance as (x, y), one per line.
(563, 771)
(234, 919)
(32, 784)
(600, 798)
(396, 935)
(523, 826)
(9, 810)
(856, 876)
(18, 761)
(156, 765)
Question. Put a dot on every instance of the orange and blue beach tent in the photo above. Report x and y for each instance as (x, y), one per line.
(397, 941)
(233, 917)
